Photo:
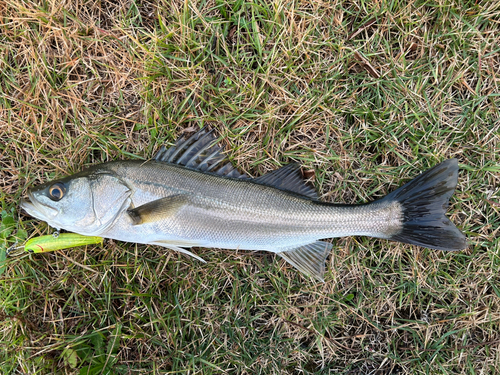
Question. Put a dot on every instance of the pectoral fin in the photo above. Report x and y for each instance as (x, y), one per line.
(159, 209)
(309, 259)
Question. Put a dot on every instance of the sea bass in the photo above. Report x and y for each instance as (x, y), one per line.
(188, 196)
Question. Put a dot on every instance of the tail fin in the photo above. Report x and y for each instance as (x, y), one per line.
(424, 201)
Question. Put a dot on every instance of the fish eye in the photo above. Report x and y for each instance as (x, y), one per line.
(56, 191)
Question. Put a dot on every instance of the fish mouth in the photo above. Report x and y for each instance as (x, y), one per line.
(28, 207)
(34, 208)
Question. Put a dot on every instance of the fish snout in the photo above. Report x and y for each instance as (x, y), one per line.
(36, 209)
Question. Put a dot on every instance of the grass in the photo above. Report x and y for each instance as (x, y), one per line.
(364, 94)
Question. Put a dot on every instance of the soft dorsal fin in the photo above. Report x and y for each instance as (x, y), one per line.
(200, 151)
(290, 179)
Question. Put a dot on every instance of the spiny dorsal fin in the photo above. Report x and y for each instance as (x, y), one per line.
(290, 179)
(309, 259)
(158, 209)
(200, 151)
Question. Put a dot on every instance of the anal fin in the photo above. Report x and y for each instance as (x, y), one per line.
(309, 259)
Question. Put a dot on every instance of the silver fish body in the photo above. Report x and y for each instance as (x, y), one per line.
(177, 206)
(237, 214)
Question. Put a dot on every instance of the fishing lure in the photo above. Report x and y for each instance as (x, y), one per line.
(44, 244)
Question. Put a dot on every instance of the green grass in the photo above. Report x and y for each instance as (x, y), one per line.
(93, 81)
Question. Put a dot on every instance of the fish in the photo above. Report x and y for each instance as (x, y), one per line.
(190, 195)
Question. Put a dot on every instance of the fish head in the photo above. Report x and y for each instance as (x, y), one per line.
(86, 203)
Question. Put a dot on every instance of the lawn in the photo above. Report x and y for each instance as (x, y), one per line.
(364, 94)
